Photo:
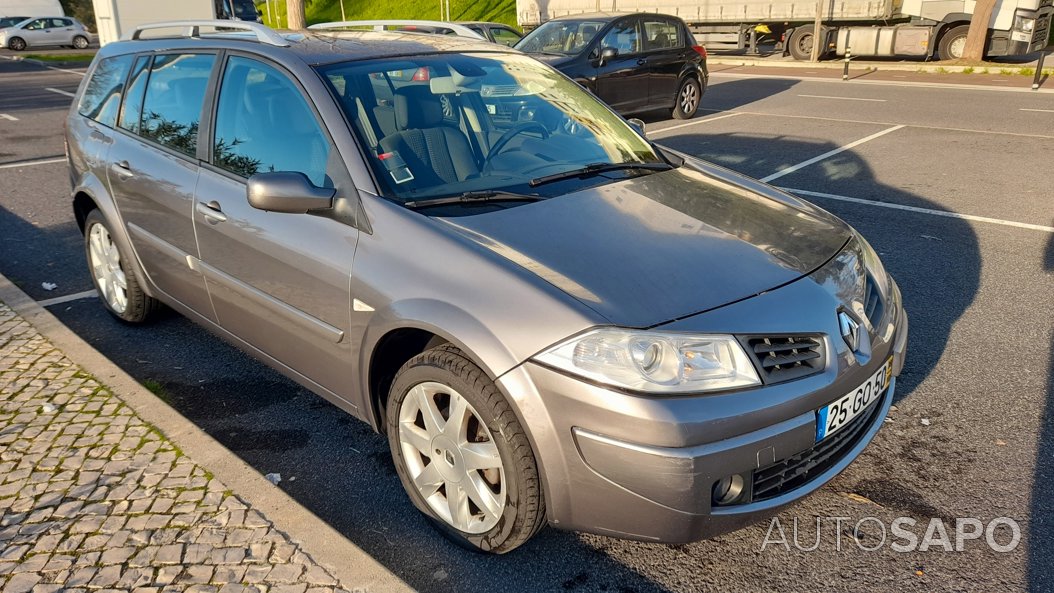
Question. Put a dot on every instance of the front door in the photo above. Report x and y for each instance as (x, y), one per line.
(280, 282)
(621, 81)
(154, 170)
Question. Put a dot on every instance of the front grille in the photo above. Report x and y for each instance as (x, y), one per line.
(796, 471)
(784, 358)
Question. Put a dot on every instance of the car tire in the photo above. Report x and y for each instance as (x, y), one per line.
(109, 264)
(952, 43)
(16, 44)
(800, 44)
(689, 95)
(433, 459)
(80, 42)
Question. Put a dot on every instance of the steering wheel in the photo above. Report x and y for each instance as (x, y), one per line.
(500, 144)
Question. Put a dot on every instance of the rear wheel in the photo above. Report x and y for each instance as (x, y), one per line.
(688, 96)
(112, 273)
(953, 42)
(461, 454)
(16, 44)
(800, 44)
(80, 42)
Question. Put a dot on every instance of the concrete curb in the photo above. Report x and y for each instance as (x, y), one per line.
(928, 67)
(352, 567)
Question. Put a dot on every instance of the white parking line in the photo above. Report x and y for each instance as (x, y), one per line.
(698, 121)
(32, 163)
(60, 91)
(828, 154)
(1010, 223)
(843, 98)
(1040, 110)
(8, 117)
(888, 123)
(69, 297)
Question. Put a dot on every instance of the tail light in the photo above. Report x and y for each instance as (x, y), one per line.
(700, 50)
(421, 74)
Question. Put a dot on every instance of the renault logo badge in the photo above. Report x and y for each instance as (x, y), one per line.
(850, 330)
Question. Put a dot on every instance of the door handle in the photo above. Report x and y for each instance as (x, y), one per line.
(642, 61)
(211, 211)
(122, 170)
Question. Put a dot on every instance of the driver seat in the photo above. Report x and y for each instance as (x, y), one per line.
(434, 152)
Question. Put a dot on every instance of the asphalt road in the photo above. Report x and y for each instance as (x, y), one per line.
(972, 436)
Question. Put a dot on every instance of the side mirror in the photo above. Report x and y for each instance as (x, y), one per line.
(638, 124)
(287, 191)
(607, 54)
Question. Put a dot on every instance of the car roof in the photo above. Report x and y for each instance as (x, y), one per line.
(606, 16)
(317, 47)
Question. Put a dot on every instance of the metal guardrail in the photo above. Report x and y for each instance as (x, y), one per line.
(380, 25)
(263, 33)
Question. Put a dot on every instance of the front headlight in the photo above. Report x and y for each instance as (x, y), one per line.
(654, 362)
(874, 266)
(1024, 24)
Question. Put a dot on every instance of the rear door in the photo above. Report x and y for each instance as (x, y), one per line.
(665, 54)
(622, 82)
(61, 32)
(153, 170)
(281, 282)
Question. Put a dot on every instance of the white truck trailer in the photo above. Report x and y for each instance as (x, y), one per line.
(864, 27)
(30, 8)
(114, 17)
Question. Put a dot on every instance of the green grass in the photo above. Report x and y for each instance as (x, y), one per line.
(157, 389)
(318, 11)
(60, 57)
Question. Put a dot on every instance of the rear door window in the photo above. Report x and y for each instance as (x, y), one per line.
(102, 95)
(661, 34)
(173, 100)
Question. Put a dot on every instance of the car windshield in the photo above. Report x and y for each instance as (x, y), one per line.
(453, 124)
(245, 9)
(561, 37)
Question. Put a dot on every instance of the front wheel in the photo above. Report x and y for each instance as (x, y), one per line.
(953, 43)
(112, 273)
(80, 42)
(16, 44)
(461, 453)
(688, 97)
(800, 44)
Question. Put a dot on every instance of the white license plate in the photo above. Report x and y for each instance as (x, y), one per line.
(839, 413)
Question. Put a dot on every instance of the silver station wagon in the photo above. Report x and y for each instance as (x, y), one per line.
(553, 320)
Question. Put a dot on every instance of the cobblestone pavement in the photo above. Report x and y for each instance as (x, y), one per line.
(93, 498)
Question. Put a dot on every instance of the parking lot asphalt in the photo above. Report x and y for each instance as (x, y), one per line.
(951, 186)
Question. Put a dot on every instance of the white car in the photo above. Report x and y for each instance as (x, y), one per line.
(42, 31)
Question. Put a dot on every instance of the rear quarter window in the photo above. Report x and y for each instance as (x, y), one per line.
(102, 95)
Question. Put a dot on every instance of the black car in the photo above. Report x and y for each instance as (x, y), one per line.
(634, 62)
(496, 32)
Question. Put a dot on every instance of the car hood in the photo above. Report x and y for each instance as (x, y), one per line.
(554, 60)
(651, 249)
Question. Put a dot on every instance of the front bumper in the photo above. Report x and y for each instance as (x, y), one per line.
(644, 467)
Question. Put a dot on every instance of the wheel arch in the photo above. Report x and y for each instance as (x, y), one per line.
(407, 328)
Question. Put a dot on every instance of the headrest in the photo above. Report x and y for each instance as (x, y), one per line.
(417, 107)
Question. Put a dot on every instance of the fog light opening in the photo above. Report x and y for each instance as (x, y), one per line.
(727, 490)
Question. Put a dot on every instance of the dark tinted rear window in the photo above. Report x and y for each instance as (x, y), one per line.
(174, 97)
(102, 95)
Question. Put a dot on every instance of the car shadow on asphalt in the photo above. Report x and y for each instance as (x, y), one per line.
(1041, 536)
(34, 254)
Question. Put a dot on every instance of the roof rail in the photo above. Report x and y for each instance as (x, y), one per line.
(457, 29)
(193, 29)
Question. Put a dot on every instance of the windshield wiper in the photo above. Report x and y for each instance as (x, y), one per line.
(472, 197)
(596, 169)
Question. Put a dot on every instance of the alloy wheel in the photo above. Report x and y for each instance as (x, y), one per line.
(80, 42)
(106, 268)
(452, 458)
(689, 98)
(957, 46)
